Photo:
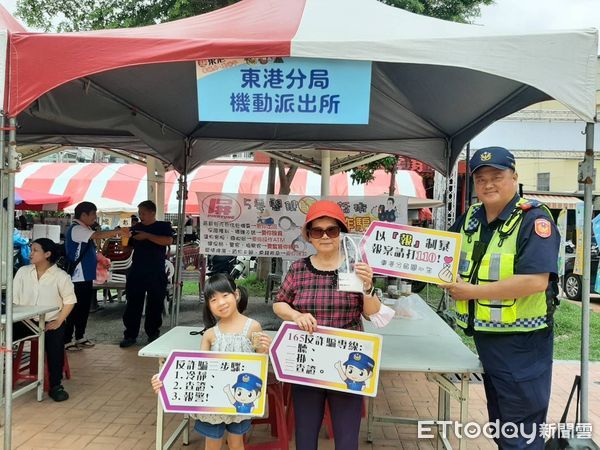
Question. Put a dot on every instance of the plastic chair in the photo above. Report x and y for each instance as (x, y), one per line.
(28, 372)
(118, 274)
(276, 419)
(170, 271)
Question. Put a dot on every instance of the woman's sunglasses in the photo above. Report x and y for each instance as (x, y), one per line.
(317, 233)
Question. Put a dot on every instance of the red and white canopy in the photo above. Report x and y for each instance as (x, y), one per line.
(120, 187)
(434, 85)
(29, 200)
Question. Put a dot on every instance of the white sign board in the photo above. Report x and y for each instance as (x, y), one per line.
(330, 358)
(214, 383)
(270, 225)
(414, 253)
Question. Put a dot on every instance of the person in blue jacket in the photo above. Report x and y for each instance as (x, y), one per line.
(356, 370)
(245, 392)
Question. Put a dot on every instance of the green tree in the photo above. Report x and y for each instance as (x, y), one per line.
(455, 10)
(83, 15)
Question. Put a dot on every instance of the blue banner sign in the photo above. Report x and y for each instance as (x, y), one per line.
(284, 90)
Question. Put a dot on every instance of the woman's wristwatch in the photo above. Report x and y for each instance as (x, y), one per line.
(369, 292)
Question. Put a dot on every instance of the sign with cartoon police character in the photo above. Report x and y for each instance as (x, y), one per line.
(330, 358)
(214, 383)
(415, 253)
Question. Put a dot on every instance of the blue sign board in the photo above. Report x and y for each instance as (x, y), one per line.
(284, 90)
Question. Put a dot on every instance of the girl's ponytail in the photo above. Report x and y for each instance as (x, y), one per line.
(243, 301)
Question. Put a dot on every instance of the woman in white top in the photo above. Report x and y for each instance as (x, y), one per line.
(43, 283)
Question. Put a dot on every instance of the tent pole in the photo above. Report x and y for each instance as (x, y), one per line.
(4, 250)
(325, 173)
(160, 189)
(182, 197)
(467, 193)
(155, 179)
(587, 176)
(10, 210)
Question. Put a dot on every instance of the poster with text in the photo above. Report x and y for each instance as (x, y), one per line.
(270, 225)
(414, 253)
(214, 383)
(330, 358)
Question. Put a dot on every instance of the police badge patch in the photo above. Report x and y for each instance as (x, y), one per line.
(543, 228)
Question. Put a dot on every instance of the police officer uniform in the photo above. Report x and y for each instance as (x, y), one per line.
(514, 337)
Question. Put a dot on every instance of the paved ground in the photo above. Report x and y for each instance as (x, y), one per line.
(113, 407)
(594, 302)
(105, 326)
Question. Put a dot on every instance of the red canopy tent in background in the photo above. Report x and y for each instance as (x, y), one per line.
(28, 200)
(111, 185)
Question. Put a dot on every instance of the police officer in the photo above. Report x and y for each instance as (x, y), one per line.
(505, 296)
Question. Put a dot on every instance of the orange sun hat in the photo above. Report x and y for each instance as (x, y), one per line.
(324, 208)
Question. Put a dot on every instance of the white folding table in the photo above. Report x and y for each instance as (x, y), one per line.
(27, 314)
(426, 344)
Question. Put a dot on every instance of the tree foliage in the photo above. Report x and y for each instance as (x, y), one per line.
(365, 173)
(83, 15)
(455, 10)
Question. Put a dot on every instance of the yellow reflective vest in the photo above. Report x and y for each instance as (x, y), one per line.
(522, 314)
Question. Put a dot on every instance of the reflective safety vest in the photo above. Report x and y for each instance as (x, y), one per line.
(528, 313)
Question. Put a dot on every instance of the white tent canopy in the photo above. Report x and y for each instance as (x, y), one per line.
(434, 86)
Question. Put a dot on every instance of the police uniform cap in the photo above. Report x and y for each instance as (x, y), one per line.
(360, 360)
(497, 157)
(248, 381)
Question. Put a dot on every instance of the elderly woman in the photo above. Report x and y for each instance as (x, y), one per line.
(310, 298)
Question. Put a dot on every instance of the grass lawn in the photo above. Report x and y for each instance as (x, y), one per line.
(567, 329)
(256, 288)
(190, 288)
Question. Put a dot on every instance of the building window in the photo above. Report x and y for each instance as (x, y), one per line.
(543, 181)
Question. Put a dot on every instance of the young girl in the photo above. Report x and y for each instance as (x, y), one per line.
(226, 329)
(42, 283)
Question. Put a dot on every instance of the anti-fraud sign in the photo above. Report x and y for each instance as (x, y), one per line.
(284, 90)
(414, 253)
(330, 358)
(214, 383)
(270, 225)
